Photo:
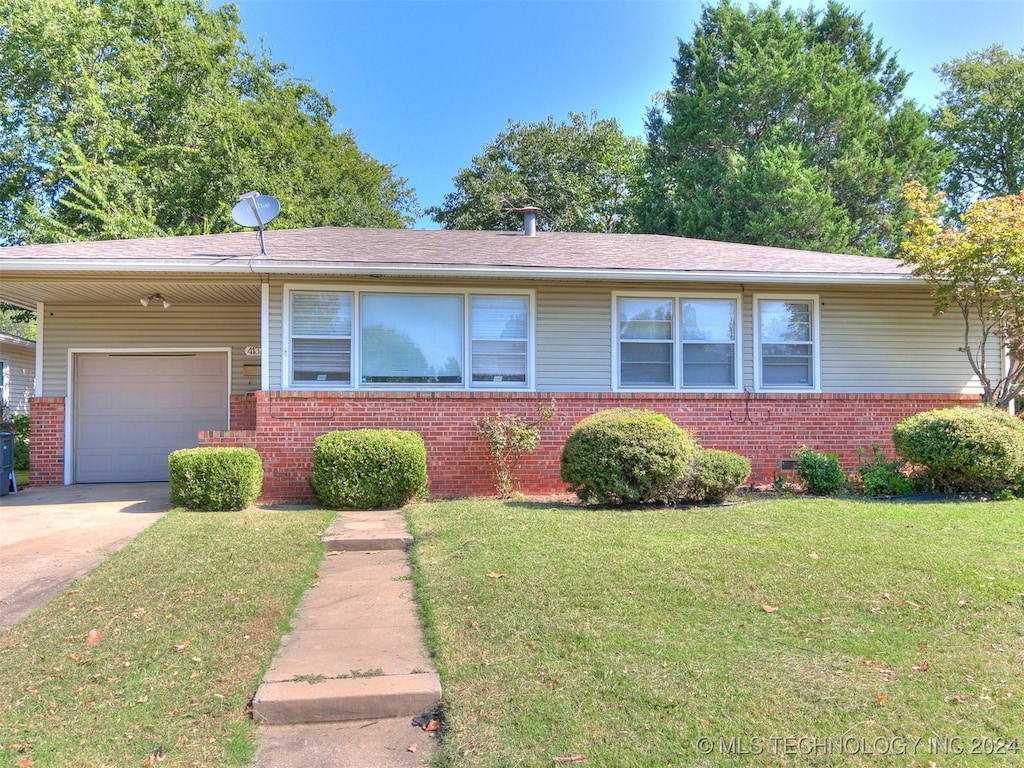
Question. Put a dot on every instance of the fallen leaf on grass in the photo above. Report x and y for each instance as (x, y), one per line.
(93, 637)
(769, 608)
(493, 575)
(812, 555)
(880, 698)
(924, 666)
(25, 762)
(571, 759)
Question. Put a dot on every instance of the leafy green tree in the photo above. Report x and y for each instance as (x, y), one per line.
(980, 118)
(785, 128)
(581, 173)
(976, 267)
(17, 321)
(127, 118)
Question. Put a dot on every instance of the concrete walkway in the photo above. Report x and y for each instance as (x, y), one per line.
(52, 535)
(346, 682)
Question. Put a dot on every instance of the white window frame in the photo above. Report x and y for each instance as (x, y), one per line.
(678, 299)
(815, 306)
(358, 291)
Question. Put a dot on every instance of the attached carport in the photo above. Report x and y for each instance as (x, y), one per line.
(131, 409)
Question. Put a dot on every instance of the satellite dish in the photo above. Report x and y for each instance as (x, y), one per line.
(255, 210)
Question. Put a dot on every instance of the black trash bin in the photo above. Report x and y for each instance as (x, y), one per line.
(6, 463)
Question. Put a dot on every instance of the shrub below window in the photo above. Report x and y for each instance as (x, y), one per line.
(215, 479)
(369, 468)
(717, 475)
(627, 456)
(972, 450)
(881, 476)
(821, 473)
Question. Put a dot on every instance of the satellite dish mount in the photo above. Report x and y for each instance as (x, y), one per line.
(256, 210)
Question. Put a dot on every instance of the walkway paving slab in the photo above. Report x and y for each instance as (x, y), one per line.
(356, 653)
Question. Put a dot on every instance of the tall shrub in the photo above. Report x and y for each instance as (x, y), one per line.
(215, 479)
(977, 449)
(627, 456)
(369, 468)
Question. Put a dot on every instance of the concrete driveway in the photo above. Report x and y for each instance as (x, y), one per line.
(50, 536)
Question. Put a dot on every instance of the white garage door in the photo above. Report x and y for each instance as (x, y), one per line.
(133, 410)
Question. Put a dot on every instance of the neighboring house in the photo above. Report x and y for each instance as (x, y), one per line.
(17, 373)
(756, 350)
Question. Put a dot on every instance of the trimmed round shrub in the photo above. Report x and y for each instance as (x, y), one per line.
(971, 450)
(215, 479)
(369, 468)
(717, 475)
(627, 456)
(821, 473)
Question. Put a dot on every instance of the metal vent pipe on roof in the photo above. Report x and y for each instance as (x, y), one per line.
(529, 220)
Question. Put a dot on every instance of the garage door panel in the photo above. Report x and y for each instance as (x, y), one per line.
(131, 411)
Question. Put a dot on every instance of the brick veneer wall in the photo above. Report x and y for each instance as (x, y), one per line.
(282, 426)
(243, 412)
(46, 441)
(765, 429)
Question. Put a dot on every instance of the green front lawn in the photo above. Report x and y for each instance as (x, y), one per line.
(153, 656)
(788, 632)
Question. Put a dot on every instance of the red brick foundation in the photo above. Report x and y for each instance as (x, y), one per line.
(765, 429)
(282, 426)
(46, 441)
(243, 412)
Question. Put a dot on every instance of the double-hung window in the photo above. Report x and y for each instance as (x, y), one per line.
(787, 343)
(371, 339)
(321, 328)
(677, 342)
(499, 340)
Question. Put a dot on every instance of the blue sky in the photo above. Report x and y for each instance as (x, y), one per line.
(425, 85)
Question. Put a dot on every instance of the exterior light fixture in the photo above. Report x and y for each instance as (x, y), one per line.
(155, 297)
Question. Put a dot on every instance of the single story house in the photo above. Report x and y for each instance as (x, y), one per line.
(150, 345)
(17, 373)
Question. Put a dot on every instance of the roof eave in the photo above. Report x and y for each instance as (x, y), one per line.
(476, 271)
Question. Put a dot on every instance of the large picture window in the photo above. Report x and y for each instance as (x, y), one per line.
(786, 343)
(369, 339)
(409, 339)
(677, 342)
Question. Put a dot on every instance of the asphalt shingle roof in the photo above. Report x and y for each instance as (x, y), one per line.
(343, 249)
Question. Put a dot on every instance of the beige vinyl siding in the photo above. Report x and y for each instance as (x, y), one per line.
(20, 374)
(891, 341)
(275, 327)
(152, 328)
(574, 339)
(873, 339)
